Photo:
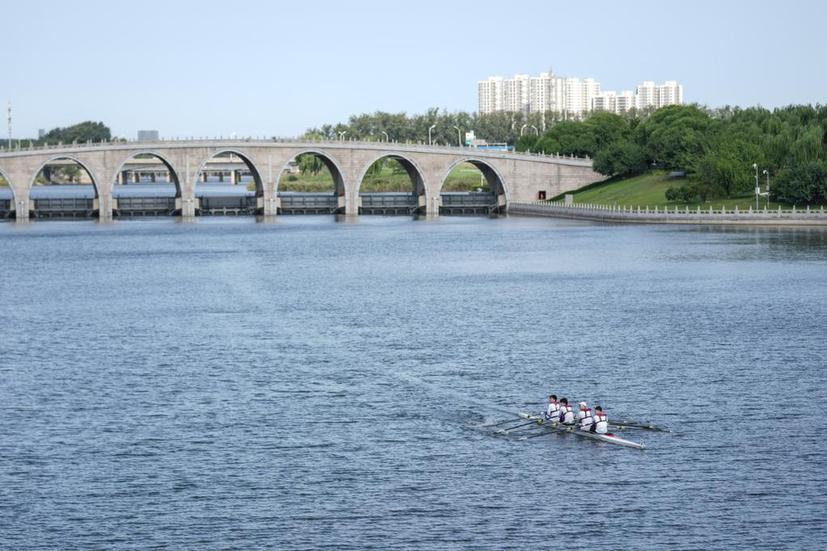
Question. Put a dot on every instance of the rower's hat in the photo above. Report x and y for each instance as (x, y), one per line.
(582, 404)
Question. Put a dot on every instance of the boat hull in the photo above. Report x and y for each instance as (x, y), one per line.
(608, 438)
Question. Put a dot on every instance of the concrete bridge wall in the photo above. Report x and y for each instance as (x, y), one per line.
(516, 177)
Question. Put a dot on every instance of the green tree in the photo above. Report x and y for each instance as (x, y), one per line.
(622, 157)
(675, 136)
(81, 132)
(802, 184)
(310, 163)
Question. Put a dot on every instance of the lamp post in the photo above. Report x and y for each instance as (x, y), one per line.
(767, 174)
(429, 134)
(387, 139)
(459, 135)
(342, 135)
(535, 129)
(757, 189)
(522, 129)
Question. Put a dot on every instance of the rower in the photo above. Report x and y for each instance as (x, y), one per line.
(601, 421)
(584, 416)
(566, 414)
(553, 409)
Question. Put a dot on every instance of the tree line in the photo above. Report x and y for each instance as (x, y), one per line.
(82, 132)
(715, 148)
(449, 127)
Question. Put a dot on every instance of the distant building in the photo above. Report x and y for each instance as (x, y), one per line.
(147, 135)
(546, 92)
(40, 133)
(569, 96)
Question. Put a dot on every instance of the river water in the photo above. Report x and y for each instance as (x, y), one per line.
(319, 383)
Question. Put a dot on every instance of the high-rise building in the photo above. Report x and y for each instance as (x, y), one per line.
(651, 95)
(570, 96)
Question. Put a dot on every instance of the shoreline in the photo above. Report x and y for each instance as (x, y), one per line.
(628, 215)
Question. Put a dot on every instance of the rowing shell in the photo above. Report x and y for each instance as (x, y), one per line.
(608, 438)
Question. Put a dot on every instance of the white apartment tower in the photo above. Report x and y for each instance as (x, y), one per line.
(651, 95)
(570, 96)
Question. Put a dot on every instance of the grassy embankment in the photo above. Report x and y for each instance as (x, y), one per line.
(649, 190)
(464, 177)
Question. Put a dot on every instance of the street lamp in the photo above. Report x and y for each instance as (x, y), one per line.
(429, 134)
(757, 189)
(459, 135)
(535, 129)
(767, 174)
(387, 139)
(342, 135)
(522, 129)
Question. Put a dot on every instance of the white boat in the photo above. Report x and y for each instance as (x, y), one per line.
(608, 438)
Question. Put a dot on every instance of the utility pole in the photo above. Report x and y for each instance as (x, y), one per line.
(9, 144)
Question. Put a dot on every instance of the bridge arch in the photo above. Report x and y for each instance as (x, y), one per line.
(332, 164)
(173, 174)
(65, 157)
(415, 173)
(492, 176)
(246, 159)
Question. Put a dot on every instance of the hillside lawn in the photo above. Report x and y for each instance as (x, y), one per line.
(650, 190)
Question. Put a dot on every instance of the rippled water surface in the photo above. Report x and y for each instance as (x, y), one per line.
(312, 383)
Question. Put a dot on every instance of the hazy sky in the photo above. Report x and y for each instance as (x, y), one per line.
(210, 68)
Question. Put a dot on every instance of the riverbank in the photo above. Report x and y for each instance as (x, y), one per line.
(638, 215)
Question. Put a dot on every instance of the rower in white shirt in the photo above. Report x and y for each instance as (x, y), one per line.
(584, 416)
(601, 421)
(566, 414)
(553, 408)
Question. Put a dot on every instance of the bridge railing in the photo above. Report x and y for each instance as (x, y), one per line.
(31, 147)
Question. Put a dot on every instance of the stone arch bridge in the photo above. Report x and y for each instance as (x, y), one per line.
(512, 176)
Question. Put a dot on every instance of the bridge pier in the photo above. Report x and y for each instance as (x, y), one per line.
(270, 204)
(352, 202)
(21, 210)
(432, 204)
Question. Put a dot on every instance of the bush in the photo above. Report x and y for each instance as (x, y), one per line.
(697, 192)
(292, 178)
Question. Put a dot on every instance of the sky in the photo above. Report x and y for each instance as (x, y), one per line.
(275, 68)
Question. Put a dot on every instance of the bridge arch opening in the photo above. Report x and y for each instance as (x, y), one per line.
(311, 183)
(391, 184)
(146, 184)
(7, 199)
(228, 183)
(63, 187)
(472, 186)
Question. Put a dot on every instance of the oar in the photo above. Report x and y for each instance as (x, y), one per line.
(506, 431)
(637, 425)
(555, 427)
(503, 422)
